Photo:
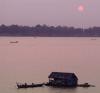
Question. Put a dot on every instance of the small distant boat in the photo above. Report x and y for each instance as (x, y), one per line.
(93, 39)
(85, 85)
(29, 85)
(13, 41)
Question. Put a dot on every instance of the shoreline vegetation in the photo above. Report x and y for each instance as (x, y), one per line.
(48, 31)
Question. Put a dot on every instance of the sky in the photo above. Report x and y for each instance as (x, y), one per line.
(50, 12)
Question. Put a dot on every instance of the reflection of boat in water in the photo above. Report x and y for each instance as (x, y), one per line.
(29, 85)
(13, 41)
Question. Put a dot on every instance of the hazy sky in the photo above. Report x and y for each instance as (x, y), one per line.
(50, 12)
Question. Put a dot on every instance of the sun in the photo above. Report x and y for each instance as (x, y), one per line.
(81, 8)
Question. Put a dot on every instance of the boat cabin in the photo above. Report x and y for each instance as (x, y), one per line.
(63, 79)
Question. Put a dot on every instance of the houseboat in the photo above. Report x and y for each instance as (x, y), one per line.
(61, 79)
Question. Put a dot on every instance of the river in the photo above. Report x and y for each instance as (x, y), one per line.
(32, 59)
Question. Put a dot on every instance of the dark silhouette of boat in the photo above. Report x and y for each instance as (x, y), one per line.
(85, 85)
(58, 79)
(25, 85)
(62, 79)
(13, 41)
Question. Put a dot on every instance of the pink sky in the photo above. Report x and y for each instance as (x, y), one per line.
(50, 12)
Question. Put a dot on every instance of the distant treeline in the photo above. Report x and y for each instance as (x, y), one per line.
(48, 31)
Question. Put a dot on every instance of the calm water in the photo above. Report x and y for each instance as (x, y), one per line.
(32, 59)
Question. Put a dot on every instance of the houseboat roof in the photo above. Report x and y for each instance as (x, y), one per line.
(62, 75)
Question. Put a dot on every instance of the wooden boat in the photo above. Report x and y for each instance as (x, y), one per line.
(29, 85)
(85, 85)
(13, 41)
(93, 39)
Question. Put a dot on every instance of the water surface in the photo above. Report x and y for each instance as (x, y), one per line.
(33, 59)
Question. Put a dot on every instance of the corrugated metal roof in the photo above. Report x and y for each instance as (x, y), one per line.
(61, 75)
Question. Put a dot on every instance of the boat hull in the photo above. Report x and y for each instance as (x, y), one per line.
(29, 86)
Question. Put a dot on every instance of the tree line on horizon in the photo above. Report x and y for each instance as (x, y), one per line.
(48, 31)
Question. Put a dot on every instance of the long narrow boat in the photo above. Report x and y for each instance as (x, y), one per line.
(29, 85)
(85, 85)
(13, 41)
